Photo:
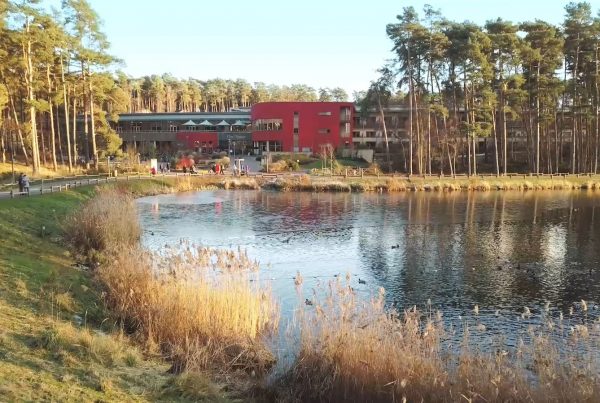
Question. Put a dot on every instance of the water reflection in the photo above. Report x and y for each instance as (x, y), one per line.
(500, 250)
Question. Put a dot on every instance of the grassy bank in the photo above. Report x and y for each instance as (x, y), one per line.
(419, 184)
(57, 341)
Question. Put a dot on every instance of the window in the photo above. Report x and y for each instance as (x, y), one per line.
(296, 130)
(268, 124)
(191, 128)
(156, 128)
(324, 131)
(173, 128)
(324, 113)
(119, 129)
(345, 130)
(345, 114)
(136, 127)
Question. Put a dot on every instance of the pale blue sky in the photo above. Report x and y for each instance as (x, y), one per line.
(322, 43)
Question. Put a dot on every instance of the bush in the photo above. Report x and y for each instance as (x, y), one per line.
(284, 165)
(105, 222)
(201, 306)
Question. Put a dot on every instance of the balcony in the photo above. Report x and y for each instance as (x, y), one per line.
(148, 135)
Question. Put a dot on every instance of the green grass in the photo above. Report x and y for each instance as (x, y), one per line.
(57, 342)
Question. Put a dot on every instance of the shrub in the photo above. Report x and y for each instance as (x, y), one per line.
(200, 306)
(106, 221)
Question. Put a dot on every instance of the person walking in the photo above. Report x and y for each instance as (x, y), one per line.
(25, 181)
(20, 182)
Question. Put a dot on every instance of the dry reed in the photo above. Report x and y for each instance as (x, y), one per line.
(371, 184)
(353, 350)
(202, 307)
(106, 221)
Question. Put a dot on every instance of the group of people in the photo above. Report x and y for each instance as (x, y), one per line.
(23, 183)
(163, 167)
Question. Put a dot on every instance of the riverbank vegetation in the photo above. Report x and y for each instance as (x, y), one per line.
(131, 324)
(352, 349)
(428, 184)
(56, 339)
(199, 306)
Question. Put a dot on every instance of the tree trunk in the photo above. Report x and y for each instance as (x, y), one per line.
(574, 120)
(410, 120)
(43, 147)
(59, 139)
(35, 153)
(3, 142)
(537, 123)
(51, 110)
(74, 127)
(495, 130)
(597, 101)
(418, 128)
(467, 115)
(93, 127)
(66, 108)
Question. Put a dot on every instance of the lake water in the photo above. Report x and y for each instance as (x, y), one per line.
(500, 250)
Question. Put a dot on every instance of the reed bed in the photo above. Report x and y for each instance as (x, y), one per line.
(369, 184)
(202, 308)
(106, 221)
(352, 350)
(173, 184)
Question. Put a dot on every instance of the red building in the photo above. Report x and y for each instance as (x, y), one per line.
(301, 126)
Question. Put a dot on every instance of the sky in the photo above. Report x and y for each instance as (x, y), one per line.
(321, 43)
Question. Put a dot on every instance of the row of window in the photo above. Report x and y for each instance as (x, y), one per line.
(174, 128)
(268, 125)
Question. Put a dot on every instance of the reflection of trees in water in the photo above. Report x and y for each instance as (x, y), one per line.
(524, 246)
(306, 216)
(495, 248)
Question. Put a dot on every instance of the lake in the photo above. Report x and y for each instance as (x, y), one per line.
(500, 250)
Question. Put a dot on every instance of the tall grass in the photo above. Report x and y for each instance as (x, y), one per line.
(107, 221)
(65, 340)
(352, 350)
(391, 184)
(203, 308)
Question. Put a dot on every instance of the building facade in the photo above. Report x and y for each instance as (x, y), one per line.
(198, 131)
(301, 127)
(304, 127)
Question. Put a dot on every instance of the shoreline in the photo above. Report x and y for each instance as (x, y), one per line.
(156, 184)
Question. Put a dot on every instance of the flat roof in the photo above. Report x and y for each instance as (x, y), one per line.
(153, 117)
